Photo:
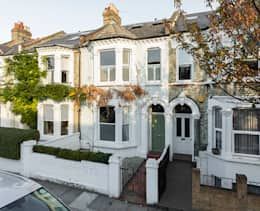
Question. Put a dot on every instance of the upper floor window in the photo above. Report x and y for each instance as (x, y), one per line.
(107, 120)
(107, 65)
(50, 68)
(184, 68)
(64, 119)
(154, 64)
(48, 120)
(218, 127)
(65, 69)
(126, 64)
(246, 129)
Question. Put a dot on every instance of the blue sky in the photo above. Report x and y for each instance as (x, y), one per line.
(48, 16)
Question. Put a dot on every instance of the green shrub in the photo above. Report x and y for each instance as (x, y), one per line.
(75, 155)
(11, 139)
(46, 150)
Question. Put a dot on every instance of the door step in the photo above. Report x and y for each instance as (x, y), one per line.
(154, 155)
(182, 157)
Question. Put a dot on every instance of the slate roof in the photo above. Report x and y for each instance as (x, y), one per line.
(144, 30)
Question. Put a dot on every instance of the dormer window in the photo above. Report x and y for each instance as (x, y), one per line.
(154, 64)
(126, 64)
(107, 65)
(185, 66)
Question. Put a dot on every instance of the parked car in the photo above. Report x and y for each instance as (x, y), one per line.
(18, 193)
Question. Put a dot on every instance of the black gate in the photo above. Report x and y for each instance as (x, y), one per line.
(162, 172)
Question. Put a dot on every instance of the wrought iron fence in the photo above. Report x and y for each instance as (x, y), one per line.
(162, 172)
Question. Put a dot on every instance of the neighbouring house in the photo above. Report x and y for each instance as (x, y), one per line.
(182, 107)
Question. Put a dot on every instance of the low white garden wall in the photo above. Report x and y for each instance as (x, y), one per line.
(98, 177)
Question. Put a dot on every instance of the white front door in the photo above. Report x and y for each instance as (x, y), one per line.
(183, 140)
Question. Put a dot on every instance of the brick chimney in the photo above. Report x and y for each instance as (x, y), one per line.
(111, 15)
(20, 32)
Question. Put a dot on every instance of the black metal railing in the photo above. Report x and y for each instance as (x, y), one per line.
(162, 172)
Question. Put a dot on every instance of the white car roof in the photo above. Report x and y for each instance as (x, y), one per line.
(14, 187)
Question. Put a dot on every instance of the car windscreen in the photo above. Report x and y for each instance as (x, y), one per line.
(39, 200)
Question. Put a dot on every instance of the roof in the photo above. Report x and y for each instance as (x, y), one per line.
(14, 187)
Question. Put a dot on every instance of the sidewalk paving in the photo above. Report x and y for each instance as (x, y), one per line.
(83, 200)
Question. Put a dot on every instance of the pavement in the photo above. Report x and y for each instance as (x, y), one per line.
(178, 193)
(83, 200)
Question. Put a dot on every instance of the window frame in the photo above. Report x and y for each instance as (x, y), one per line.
(104, 123)
(216, 129)
(154, 66)
(243, 132)
(179, 64)
(66, 121)
(44, 121)
(50, 71)
(126, 65)
(108, 68)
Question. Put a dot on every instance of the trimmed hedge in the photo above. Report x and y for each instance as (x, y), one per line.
(75, 155)
(11, 139)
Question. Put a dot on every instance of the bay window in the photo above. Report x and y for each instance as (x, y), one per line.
(154, 64)
(48, 124)
(107, 65)
(246, 130)
(218, 128)
(126, 64)
(107, 124)
(184, 69)
(64, 119)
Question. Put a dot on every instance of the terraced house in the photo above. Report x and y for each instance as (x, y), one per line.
(182, 108)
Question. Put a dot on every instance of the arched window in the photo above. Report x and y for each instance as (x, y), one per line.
(183, 109)
(157, 108)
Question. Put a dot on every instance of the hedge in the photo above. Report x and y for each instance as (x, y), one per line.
(75, 155)
(11, 139)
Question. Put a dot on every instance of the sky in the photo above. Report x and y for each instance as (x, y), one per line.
(45, 17)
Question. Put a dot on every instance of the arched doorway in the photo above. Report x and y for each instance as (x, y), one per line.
(157, 128)
(183, 126)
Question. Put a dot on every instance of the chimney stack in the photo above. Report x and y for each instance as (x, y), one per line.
(111, 15)
(20, 32)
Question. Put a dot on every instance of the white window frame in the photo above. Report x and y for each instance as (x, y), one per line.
(215, 129)
(108, 68)
(126, 65)
(63, 70)
(53, 121)
(178, 64)
(103, 123)
(50, 72)
(244, 132)
(154, 66)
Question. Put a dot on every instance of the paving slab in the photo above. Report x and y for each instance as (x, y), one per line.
(83, 201)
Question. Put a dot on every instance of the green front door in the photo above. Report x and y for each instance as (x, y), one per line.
(158, 132)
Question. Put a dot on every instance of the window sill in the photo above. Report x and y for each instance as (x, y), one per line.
(153, 83)
(114, 145)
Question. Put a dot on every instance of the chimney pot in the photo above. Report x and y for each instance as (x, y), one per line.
(20, 32)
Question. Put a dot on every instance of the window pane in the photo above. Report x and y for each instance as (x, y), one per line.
(112, 73)
(125, 132)
(65, 62)
(150, 73)
(184, 57)
(64, 128)
(187, 127)
(158, 73)
(48, 128)
(48, 112)
(247, 144)
(218, 118)
(50, 63)
(64, 76)
(154, 56)
(107, 132)
(178, 127)
(185, 72)
(107, 58)
(219, 139)
(246, 119)
(107, 115)
(126, 73)
(64, 112)
(126, 56)
(104, 74)
(183, 109)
